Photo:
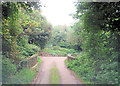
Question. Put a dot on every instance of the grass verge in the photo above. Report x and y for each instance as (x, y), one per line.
(25, 76)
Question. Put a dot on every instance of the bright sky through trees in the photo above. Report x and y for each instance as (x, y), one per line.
(57, 11)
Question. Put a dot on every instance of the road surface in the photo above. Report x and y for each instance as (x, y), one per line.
(66, 76)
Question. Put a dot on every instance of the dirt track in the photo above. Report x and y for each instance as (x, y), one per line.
(66, 76)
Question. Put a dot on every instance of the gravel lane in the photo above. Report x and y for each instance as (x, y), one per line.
(66, 76)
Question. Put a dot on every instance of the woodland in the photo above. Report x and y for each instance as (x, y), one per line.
(94, 37)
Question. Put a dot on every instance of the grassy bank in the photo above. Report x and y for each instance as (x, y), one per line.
(86, 70)
(10, 75)
(25, 76)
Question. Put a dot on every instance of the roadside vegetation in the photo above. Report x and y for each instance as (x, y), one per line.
(93, 39)
(97, 30)
(10, 75)
(24, 33)
(59, 51)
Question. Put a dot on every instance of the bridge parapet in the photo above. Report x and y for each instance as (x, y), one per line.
(29, 62)
(69, 57)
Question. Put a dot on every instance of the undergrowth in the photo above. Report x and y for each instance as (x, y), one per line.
(58, 51)
(10, 75)
(92, 73)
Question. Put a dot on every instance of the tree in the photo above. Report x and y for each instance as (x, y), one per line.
(22, 19)
(99, 33)
(60, 36)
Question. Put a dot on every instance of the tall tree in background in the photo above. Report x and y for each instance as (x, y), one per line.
(60, 36)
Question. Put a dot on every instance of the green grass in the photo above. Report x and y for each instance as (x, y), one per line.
(39, 60)
(25, 76)
(54, 76)
(10, 75)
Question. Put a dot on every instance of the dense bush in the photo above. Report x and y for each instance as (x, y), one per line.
(8, 69)
(10, 75)
(85, 69)
(25, 76)
(58, 51)
(25, 49)
(98, 32)
(23, 30)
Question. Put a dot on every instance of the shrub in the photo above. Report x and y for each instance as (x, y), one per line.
(56, 50)
(85, 68)
(28, 50)
(11, 76)
(25, 76)
(8, 69)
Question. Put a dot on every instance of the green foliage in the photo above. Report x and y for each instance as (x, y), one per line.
(22, 30)
(28, 50)
(98, 36)
(25, 49)
(41, 32)
(11, 76)
(58, 51)
(25, 76)
(64, 36)
(60, 36)
(19, 23)
(8, 69)
(39, 60)
(85, 69)
(39, 39)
